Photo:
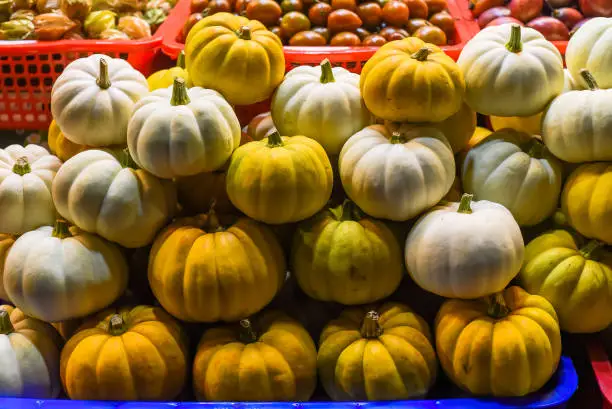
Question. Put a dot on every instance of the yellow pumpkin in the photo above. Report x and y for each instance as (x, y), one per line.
(236, 56)
(587, 201)
(280, 179)
(479, 134)
(458, 128)
(271, 358)
(68, 328)
(508, 344)
(577, 280)
(196, 193)
(529, 124)
(6, 242)
(382, 354)
(135, 353)
(412, 81)
(201, 271)
(165, 78)
(61, 146)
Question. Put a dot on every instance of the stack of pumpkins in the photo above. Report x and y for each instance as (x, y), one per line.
(170, 169)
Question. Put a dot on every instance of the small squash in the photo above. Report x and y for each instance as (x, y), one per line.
(59, 273)
(126, 354)
(295, 169)
(571, 83)
(203, 271)
(236, 56)
(576, 280)
(322, 103)
(531, 125)
(61, 146)
(182, 132)
(586, 201)
(465, 250)
(458, 128)
(6, 242)
(589, 48)
(508, 344)
(412, 81)
(196, 193)
(271, 358)
(29, 353)
(381, 354)
(396, 175)
(502, 65)
(260, 126)
(93, 98)
(479, 135)
(165, 78)
(341, 255)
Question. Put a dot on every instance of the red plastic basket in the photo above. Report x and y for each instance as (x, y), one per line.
(602, 367)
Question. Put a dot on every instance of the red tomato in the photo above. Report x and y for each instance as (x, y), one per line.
(189, 23)
(292, 5)
(294, 22)
(345, 39)
(418, 8)
(436, 6)
(415, 23)
(323, 31)
(568, 16)
(432, 35)
(308, 38)
(505, 20)
(266, 11)
(596, 8)
(396, 36)
(375, 40)
(525, 10)
(362, 33)
(480, 6)
(370, 13)
(344, 4)
(197, 6)
(319, 13)
(396, 13)
(550, 27)
(578, 25)
(491, 14)
(343, 20)
(445, 21)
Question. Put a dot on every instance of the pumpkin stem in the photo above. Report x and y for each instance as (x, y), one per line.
(589, 248)
(464, 204)
(126, 159)
(21, 166)
(103, 80)
(559, 218)
(61, 229)
(497, 305)
(275, 140)
(515, 45)
(247, 333)
(422, 54)
(244, 33)
(179, 93)
(327, 74)
(589, 79)
(370, 328)
(6, 327)
(536, 149)
(180, 61)
(397, 137)
(347, 211)
(116, 325)
(212, 221)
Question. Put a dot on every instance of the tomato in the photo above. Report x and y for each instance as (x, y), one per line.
(374, 40)
(397, 36)
(294, 22)
(345, 39)
(436, 6)
(505, 20)
(568, 16)
(396, 13)
(323, 31)
(596, 8)
(525, 10)
(343, 20)
(309, 38)
(370, 13)
(197, 6)
(362, 33)
(389, 31)
(217, 6)
(418, 8)
(277, 30)
(578, 25)
(491, 14)
(344, 4)
(445, 21)
(415, 23)
(319, 13)
(189, 23)
(240, 6)
(557, 4)
(550, 27)
(431, 34)
(479, 6)
(266, 11)
(292, 5)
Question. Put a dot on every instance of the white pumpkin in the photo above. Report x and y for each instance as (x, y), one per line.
(577, 126)
(177, 131)
(516, 170)
(29, 356)
(465, 250)
(589, 48)
(101, 195)
(396, 176)
(571, 84)
(322, 103)
(503, 65)
(26, 175)
(93, 98)
(60, 273)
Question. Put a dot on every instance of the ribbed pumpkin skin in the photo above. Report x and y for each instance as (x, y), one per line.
(578, 286)
(61, 146)
(399, 364)
(202, 276)
(197, 192)
(6, 242)
(280, 184)
(147, 362)
(279, 366)
(510, 356)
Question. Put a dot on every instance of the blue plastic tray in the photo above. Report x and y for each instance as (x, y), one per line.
(554, 395)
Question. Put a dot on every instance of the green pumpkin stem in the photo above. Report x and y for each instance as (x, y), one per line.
(6, 327)
(213, 224)
(180, 61)
(61, 229)
(422, 54)
(126, 160)
(497, 306)
(397, 137)
(103, 80)
(116, 325)
(465, 203)
(370, 328)
(21, 166)
(589, 248)
(179, 92)
(536, 149)
(515, 44)
(247, 333)
(589, 79)
(347, 211)
(244, 33)
(327, 74)
(275, 140)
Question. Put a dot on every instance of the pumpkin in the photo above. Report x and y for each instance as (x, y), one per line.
(26, 175)
(6, 242)
(196, 193)
(381, 354)
(589, 48)
(322, 103)
(575, 279)
(68, 328)
(412, 81)
(260, 126)
(507, 344)
(29, 354)
(91, 101)
(295, 169)
(516, 170)
(236, 56)
(396, 175)
(571, 83)
(106, 196)
(479, 135)
(341, 255)
(165, 78)
(456, 191)
(502, 65)
(182, 132)
(203, 271)
(465, 250)
(60, 273)
(125, 354)
(528, 124)
(61, 146)
(270, 358)
(458, 128)
(577, 125)
(586, 201)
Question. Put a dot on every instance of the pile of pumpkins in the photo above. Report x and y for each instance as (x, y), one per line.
(350, 181)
